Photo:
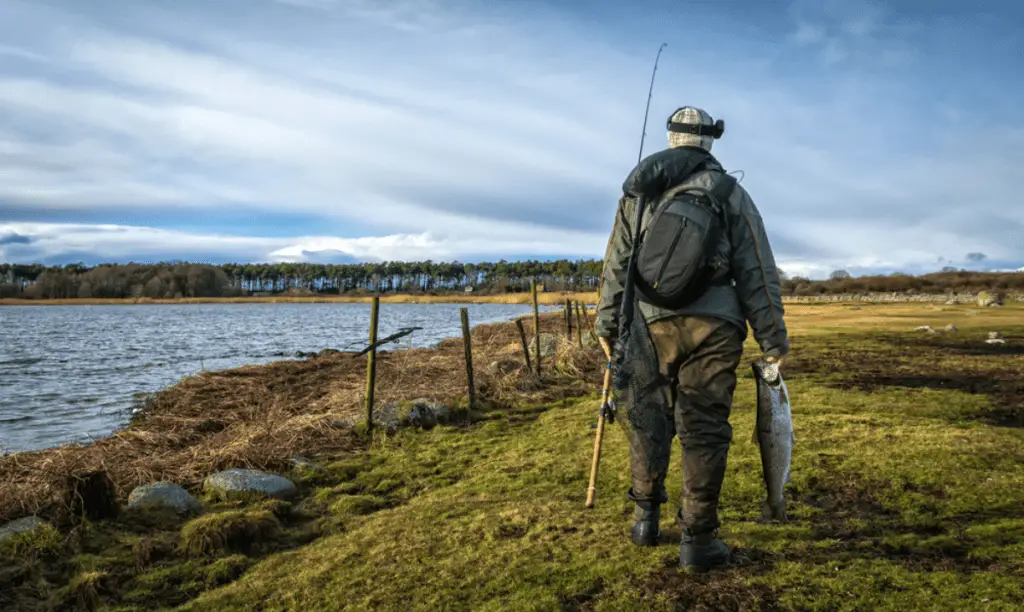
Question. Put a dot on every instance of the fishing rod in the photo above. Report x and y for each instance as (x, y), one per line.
(647, 111)
(607, 411)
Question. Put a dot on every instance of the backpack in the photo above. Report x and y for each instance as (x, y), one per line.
(677, 255)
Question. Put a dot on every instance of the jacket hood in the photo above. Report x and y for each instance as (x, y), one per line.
(663, 170)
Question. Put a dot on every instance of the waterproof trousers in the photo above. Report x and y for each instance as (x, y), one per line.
(698, 358)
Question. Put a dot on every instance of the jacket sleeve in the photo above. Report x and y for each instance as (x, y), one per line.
(613, 274)
(757, 278)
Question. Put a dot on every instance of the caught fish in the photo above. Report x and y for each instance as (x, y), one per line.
(774, 434)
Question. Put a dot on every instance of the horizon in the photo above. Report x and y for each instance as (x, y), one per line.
(873, 139)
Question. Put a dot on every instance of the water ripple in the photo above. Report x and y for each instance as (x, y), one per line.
(70, 373)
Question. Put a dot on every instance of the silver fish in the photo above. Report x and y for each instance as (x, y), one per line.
(774, 434)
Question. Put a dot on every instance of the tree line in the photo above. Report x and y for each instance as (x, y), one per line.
(177, 280)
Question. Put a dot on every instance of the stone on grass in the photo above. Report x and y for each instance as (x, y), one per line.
(163, 495)
(951, 328)
(421, 415)
(22, 526)
(986, 299)
(425, 413)
(243, 482)
(995, 338)
(548, 345)
(926, 328)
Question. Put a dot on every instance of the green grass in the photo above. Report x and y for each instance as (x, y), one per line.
(901, 498)
(907, 493)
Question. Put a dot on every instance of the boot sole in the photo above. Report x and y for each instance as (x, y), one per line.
(700, 569)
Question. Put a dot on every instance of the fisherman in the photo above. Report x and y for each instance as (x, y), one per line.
(698, 346)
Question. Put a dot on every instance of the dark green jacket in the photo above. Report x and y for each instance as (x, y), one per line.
(754, 295)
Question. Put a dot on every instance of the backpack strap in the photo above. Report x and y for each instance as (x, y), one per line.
(723, 189)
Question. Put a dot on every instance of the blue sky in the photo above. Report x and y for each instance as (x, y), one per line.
(875, 137)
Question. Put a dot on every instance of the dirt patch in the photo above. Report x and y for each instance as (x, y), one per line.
(716, 591)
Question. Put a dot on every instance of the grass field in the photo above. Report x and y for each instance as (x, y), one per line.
(907, 494)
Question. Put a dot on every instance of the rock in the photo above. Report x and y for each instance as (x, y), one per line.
(506, 366)
(986, 299)
(951, 328)
(995, 335)
(548, 345)
(241, 481)
(422, 416)
(425, 413)
(995, 341)
(22, 526)
(926, 328)
(163, 495)
(388, 416)
(952, 302)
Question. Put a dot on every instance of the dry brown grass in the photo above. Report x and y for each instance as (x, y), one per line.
(261, 416)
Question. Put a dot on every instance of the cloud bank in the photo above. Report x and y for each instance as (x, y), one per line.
(316, 130)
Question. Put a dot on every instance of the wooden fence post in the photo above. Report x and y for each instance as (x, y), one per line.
(568, 319)
(536, 323)
(526, 345)
(371, 364)
(579, 324)
(590, 323)
(467, 342)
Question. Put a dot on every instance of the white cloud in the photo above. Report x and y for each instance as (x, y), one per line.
(449, 133)
(145, 244)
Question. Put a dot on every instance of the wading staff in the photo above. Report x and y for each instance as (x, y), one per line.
(605, 410)
(607, 413)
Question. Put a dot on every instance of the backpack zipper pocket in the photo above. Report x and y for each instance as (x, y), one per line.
(671, 249)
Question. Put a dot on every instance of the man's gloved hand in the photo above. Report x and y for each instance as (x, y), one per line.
(779, 360)
(606, 346)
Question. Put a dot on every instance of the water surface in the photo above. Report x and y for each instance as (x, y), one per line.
(71, 373)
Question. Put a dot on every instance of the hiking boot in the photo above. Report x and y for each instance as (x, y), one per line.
(702, 552)
(645, 529)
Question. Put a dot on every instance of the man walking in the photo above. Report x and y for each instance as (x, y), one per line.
(698, 339)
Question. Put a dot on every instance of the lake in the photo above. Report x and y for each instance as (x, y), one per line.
(72, 373)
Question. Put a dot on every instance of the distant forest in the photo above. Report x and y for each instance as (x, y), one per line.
(189, 280)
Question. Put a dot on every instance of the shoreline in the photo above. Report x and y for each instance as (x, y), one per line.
(544, 299)
(553, 298)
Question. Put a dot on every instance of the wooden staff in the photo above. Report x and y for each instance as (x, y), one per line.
(592, 489)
